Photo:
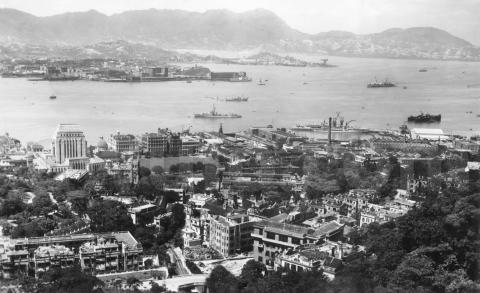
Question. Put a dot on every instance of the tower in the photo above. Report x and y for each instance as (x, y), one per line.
(68, 142)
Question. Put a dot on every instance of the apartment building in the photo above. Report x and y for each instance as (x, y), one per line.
(94, 253)
(270, 238)
(231, 234)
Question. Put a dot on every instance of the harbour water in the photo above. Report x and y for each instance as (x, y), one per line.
(292, 95)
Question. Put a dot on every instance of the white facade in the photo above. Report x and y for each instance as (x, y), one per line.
(68, 142)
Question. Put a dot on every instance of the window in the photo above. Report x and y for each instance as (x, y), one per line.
(283, 238)
(260, 259)
(270, 235)
(295, 240)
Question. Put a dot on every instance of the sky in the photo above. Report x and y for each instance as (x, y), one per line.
(459, 17)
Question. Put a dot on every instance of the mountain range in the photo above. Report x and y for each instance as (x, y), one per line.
(222, 30)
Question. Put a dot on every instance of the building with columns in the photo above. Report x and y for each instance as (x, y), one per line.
(68, 143)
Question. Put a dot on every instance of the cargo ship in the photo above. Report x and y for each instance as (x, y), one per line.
(215, 115)
(425, 118)
(377, 84)
(237, 99)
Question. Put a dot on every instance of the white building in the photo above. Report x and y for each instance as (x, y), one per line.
(68, 142)
(428, 133)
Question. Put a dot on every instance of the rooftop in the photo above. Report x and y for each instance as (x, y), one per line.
(68, 128)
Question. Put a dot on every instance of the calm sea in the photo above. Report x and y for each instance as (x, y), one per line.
(292, 96)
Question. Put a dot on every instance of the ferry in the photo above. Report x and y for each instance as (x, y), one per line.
(215, 115)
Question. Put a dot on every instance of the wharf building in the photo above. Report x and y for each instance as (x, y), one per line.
(229, 76)
(231, 234)
(94, 253)
(270, 239)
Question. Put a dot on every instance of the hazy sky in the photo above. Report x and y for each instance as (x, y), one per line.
(459, 17)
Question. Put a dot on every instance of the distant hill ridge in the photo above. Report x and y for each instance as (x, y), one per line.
(225, 30)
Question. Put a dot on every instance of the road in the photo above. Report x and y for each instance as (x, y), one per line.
(177, 257)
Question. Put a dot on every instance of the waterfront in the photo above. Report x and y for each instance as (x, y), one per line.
(293, 95)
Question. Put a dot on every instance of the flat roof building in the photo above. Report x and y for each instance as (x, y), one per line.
(94, 253)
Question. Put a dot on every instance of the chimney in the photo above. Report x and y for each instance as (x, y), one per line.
(329, 130)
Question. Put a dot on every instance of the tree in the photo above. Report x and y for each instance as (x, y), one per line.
(79, 205)
(251, 272)
(144, 172)
(132, 281)
(11, 206)
(158, 170)
(42, 204)
(221, 281)
(71, 280)
(107, 216)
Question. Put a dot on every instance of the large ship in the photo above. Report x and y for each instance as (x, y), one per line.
(237, 99)
(339, 126)
(215, 115)
(425, 118)
(377, 84)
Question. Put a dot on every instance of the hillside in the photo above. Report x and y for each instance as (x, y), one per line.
(223, 30)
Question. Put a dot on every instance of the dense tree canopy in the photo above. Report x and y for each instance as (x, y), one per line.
(107, 216)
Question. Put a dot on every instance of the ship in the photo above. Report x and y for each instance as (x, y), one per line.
(237, 99)
(377, 84)
(339, 124)
(425, 118)
(215, 115)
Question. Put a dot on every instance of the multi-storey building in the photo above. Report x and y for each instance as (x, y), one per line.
(155, 144)
(190, 145)
(122, 142)
(95, 253)
(231, 234)
(271, 238)
(174, 144)
(68, 142)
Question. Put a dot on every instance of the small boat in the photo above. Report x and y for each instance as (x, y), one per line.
(260, 82)
(422, 70)
(53, 97)
(189, 81)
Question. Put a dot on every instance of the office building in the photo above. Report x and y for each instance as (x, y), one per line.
(155, 144)
(68, 142)
(122, 142)
(190, 145)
